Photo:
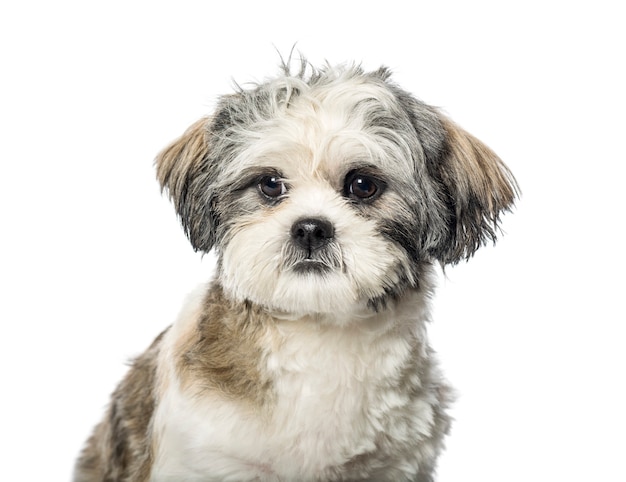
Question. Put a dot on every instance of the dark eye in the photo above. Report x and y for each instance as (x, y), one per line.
(362, 187)
(272, 186)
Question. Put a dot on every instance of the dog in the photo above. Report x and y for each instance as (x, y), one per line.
(330, 196)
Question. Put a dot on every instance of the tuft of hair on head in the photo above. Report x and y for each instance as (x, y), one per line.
(285, 64)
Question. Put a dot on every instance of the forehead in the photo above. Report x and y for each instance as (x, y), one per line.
(325, 129)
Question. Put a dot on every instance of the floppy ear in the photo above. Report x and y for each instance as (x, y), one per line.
(183, 170)
(478, 187)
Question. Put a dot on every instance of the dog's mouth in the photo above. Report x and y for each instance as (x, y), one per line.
(321, 261)
(308, 265)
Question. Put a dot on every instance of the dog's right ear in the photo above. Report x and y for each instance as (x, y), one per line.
(183, 171)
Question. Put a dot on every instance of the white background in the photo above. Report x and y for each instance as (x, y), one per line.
(94, 263)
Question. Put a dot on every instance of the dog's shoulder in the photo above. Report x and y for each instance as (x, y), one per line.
(117, 449)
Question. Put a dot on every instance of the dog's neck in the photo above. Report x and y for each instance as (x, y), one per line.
(359, 315)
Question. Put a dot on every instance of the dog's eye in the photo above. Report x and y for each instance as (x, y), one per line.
(272, 187)
(362, 187)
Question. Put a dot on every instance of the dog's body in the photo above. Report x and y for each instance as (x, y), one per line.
(329, 198)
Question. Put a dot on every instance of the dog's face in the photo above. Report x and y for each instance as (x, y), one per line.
(330, 192)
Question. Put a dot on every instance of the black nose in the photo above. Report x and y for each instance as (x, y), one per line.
(312, 233)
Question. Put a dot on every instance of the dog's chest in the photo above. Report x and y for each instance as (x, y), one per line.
(334, 396)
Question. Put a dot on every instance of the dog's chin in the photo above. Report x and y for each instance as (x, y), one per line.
(308, 287)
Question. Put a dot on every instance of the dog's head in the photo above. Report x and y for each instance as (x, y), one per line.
(325, 190)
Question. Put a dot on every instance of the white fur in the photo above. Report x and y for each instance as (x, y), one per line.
(336, 387)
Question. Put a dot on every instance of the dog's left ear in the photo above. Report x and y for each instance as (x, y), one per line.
(477, 188)
(184, 171)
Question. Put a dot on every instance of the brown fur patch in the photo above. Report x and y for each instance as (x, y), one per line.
(223, 351)
(119, 449)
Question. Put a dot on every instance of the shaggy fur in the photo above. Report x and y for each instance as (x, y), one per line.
(329, 195)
